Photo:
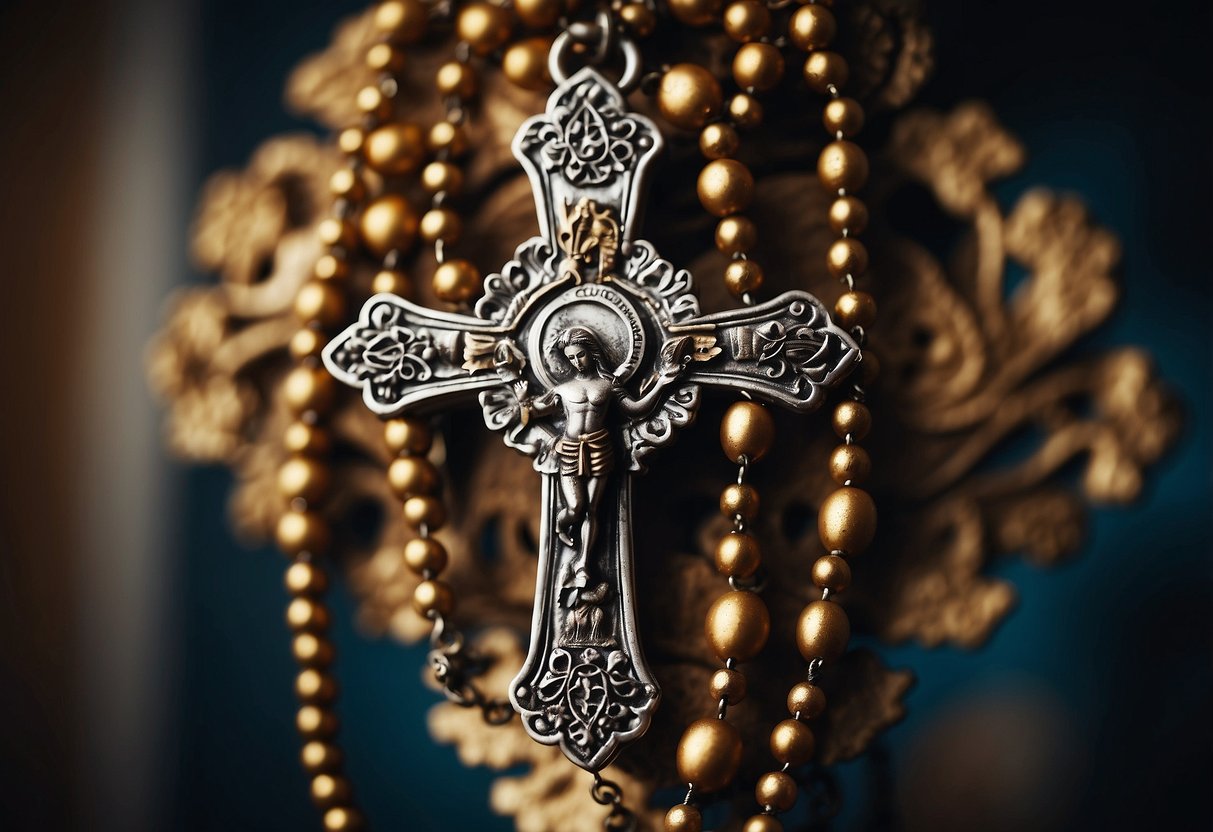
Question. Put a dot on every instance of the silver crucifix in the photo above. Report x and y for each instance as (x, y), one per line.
(587, 352)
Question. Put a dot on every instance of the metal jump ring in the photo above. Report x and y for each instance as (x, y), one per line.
(631, 62)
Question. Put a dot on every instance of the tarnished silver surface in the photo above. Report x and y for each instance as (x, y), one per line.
(587, 351)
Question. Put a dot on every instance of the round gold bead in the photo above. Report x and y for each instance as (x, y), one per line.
(456, 281)
(407, 436)
(433, 597)
(748, 430)
(304, 478)
(776, 790)
(301, 531)
(392, 282)
(328, 789)
(832, 572)
(728, 685)
(842, 165)
(425, 554)
(738, 555)
(313, 721)
(320, 301)
(854, 309)
(404, 21)
(302, 438)
(307, 343)
(823, 630)
(372, 101)
(307, 614)
(311, 650)
(742, 277)
(695, 12)
(383, 57)
(318, 756)
(747, 20)
(483, 26)
(842, 115)
(457, 79)
(331, 267)
(823, 70)
(395, 149)
(736, 235)
(388, 223)
(807, 700)
(447, 136)
(422, 509)
(639, 18)
(409, 475)
(525, 63)
(847, 256)
(737, 625)
(758, 66)
(792, 742)
(762, 823)
(853, 418)
(725, 187)
(745, 111)
(309, 388)
(848, 214)
(335, 232)
(442, 176)
(812, 27)
(349, 140)
(346, 183)
(303, 578)
(440, 224)
(847, 520)
(716, 141)
(342, 819)
(739, 499)
(539, 13)
(869, 367)
(708, 754)
(850, 464)
(683, 818)
(689, 96)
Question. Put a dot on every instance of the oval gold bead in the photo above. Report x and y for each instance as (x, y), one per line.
(742, 277)
(847, 256)
(843, 115)
(456, 281)
(725, 187)
(848, 213)
(302, 438)
(854, 309)
(442, 176)
(792, 742)
(735, 235)
(440, 224)
(708, 754)
(392, 282)
(328, 789)
(423, 510)
(526, 63)
(738, 555)
(748, 430)
(407, 436)
(410, 475)
(842, 165)
(395, 149)
(303, 578)
(457, 79)
(776, 790)
(312, 650)
(853, 418)
(850, 465)
(307, 614)
(758, 66)
(847, 520)
(302, 531)
(387, 224)
(320, 301)
(739, 499)
(425, 554)
(304, 478)
(737, 625)
(433, 597)
(307, 343)
(314, 721)
(309, 388)
(483, 26)
(318, 756)
(822, 632)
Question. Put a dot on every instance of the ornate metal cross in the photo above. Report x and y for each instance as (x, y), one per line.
(587, 352)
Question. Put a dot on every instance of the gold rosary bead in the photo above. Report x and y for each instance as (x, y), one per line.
(737, 625)
(738, 555)
(525, 63)
(842, 165)
(331, 267)
(307, 343)
(695, 12)
(683, 818)
(395, 149)
(442, 176)
(725, 187)
(847, 256)
(328, 789)
(762, 823)
(309, 388)
(848, 214)
(371, 101)
(311, 650)
(806, 699)
(748, 430)
(853, 418)
(392, 282)
(832, 572)
(320, 301)
(842, 115)
(422, 509)
(639, 18)
(433, 597)
(313, 721)
(407, 436)
(303, 578)
(823, 70)
(847, 520)
(708, 754)
(747, 20)
(539, 14)
(404, 21)
(318, 756)
(854, 309)
(440, 224)
(410, 475)
(792, 742)
(346, 183)
(822, 632)
(388, 223)
(736, 235)
(739, 499)
(456, 281)
(449, 137)
(307, 614)
(383, 57)
(850, 464)
(303, 478)
(342, 819)
(812, 27)
(425, 554)
(334, 232)
(689, 96)
(742, 277)
(758, 66)
(313, 686)
(302, 531)
(483, 26)
(729, 685)
(777, 790)
(349, 140)
(745, 111)
(302, 438)
(719, 140)
(457, 79)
